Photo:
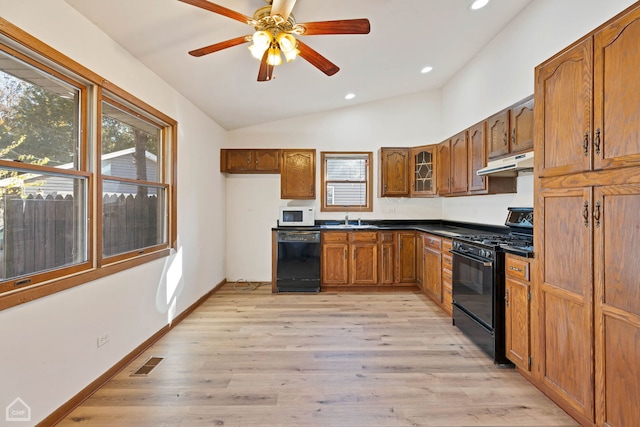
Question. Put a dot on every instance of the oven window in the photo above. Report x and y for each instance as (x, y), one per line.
(473, 282)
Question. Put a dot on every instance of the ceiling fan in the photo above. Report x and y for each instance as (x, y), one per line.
(275, 31)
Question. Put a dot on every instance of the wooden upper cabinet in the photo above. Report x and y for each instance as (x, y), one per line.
(615, 140)
(459, 163)
(250, 160)
(498, 135)
(298, 174)
(423, 168)
(563, 112)
(521, 124)
(477, 156)
(444, 168)
(394, 172)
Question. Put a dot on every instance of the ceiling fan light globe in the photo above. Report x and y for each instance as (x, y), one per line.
(262, 39)
(286, 41)
(291, 55)
(257, 51)
(274, 57)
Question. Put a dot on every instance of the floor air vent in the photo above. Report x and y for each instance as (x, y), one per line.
(148, 366)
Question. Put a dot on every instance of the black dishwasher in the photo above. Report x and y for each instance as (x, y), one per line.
(298, 264)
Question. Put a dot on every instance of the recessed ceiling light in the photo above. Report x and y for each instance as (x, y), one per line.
(350, 96)
(479, 4)
(426, 69)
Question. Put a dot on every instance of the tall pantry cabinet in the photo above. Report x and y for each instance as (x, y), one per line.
(587, 182)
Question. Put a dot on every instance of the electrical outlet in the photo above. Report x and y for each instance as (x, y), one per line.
(102, 340)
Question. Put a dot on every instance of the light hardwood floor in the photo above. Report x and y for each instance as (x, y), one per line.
(346, 360)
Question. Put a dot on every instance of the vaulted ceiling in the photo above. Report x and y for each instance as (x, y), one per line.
(406, 36)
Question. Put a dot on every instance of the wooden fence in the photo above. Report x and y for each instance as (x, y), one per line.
(39, 232)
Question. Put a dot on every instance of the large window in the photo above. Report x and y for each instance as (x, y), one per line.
(86, 173)
(346, 181)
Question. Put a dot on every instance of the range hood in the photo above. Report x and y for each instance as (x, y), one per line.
(508, 166)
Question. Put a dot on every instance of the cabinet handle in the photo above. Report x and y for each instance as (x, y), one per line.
(585, 214)
(504, 137)
(511, 267)
(506, 298)
(596, 213)
(596, 141)
(513, 136)
(585, 144)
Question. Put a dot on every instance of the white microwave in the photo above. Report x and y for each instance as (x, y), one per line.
(296, 216)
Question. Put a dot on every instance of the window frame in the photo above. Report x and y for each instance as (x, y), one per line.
(324, 182)
(16, 42)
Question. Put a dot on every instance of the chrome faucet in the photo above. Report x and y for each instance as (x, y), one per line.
(346, 218)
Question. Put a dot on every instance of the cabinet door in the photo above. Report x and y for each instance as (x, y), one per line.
(616, 226)
(459, 165)
(238, 161)
(298, 175)
(423, 165)
(394, 166)
(335, 265)
(267, 161)
(477, 157)
(563, 112)
(407, 257)
(497, 135)
(444, 168)
(364, 268)
(517, 323)
(387, 258)
(521, 122)
(565, 297)
(616, 139)
(433, 274)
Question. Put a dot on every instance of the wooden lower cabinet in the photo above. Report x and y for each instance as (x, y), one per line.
(335, 258)
(364, 258)
(432, 265)
(407, 272)
(387, 258)
(517, 302)
(447, 263)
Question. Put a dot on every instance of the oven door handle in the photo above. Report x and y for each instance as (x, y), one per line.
(484, 262)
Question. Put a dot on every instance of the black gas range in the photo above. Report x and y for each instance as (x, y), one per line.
(478, 281)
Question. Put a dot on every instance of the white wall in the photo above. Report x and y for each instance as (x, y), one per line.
(500, 75)
(253, 201)
(48, 346)
(503, 73)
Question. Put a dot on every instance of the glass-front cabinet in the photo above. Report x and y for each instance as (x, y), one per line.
(423, 179)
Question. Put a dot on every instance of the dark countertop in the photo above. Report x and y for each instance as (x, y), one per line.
(440, 228)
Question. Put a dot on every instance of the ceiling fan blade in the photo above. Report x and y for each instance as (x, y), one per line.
(221, 10)
(344, 26)
(219, 46)
(317, 60)
(265, 73)
(282, 8)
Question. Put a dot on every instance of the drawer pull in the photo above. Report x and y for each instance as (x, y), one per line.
(511, 267)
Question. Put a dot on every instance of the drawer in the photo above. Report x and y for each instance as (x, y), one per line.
(364, 236)
(447, 261)
(517, 267)
(433, 242)
(335, 236)
(446, 277)
(446, 246)
(386, 237)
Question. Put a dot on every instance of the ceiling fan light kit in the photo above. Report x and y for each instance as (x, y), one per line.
(274, 33)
